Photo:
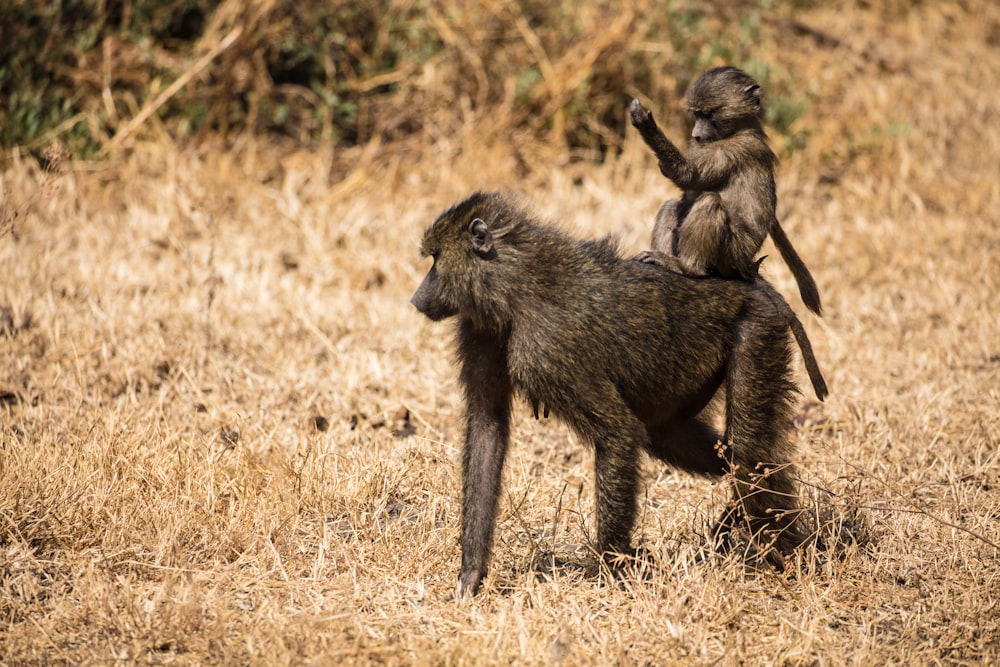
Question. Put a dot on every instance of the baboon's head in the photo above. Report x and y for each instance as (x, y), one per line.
(722, 101)
(468, 276)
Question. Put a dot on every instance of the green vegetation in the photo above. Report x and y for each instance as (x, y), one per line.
(80, 70)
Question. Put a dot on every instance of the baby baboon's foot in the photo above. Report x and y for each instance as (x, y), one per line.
(661, 259)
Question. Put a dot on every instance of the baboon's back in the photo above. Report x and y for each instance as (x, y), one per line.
(656, 335)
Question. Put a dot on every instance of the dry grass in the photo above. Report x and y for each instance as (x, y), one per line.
(225, 436)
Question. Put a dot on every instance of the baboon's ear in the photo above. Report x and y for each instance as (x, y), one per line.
(482, 237)
(754, 94)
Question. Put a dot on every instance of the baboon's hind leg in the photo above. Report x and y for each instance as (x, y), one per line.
(758, 446)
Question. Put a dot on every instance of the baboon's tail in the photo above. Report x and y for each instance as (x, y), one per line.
(812, 368)
(807, 286)
(801, 338)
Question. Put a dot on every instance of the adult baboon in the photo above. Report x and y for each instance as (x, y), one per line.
(727, 175)
(627, 353)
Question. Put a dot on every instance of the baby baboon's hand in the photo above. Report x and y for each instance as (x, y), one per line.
(641, 117)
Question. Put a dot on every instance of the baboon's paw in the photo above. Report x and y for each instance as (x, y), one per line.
(641, 117)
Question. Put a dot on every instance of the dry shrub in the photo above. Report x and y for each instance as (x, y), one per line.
(96, 74)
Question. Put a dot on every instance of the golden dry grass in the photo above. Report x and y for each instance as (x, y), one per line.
(226, 437)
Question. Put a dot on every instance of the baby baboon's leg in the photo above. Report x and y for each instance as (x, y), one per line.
(663, 228)
(661, 250)
(700, 235)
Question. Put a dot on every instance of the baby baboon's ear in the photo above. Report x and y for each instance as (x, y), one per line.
(482, 238)
(754, 95)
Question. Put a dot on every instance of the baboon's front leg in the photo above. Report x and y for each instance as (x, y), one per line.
(487, 433)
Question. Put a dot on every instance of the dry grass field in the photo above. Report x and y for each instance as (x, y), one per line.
(227, 438)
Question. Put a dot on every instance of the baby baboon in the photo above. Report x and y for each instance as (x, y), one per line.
(627, 353)
(727, 175)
